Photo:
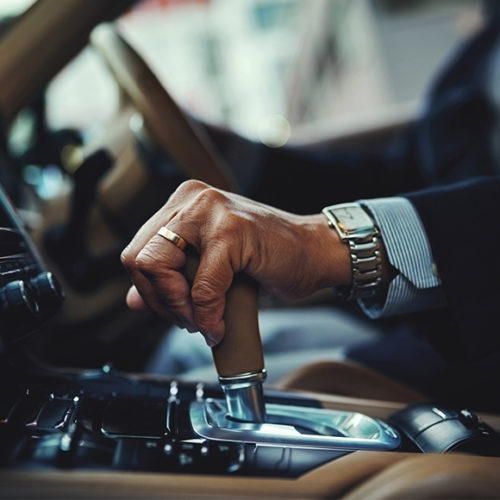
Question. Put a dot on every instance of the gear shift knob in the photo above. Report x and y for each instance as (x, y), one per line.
(239, 358)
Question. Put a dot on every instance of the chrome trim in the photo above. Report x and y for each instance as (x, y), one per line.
(296, 426)
(244, 396)
(245, 378)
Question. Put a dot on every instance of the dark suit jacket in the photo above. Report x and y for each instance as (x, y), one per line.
(447, 166)
(457, 140)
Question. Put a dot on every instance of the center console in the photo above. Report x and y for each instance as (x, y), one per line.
(103, 420)
(106, 420)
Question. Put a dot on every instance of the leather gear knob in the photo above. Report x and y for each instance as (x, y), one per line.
(240, 351)
(239, 358)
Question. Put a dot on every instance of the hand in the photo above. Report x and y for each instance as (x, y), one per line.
(289, 255)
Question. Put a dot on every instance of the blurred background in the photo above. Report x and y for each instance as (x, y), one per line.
(273, 69)
(276, 71)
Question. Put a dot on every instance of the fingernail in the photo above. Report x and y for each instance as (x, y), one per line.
(211, 342)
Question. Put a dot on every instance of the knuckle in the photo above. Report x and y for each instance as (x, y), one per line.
(127, 259)
(203, 295)
(210, 197)
(182, 195)
(191, 185)
(145, 261)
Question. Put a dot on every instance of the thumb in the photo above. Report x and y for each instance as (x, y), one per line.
(135, 301)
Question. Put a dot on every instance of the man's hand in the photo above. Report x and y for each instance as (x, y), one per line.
(289, 255)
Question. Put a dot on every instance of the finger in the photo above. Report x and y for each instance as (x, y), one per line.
(208, 294)
(183, 195)
(135, 301)
(161, 283)
(145, 293)
(142, 296)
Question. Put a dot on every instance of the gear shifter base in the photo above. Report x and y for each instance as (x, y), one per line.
(295, 426)
(244, 396)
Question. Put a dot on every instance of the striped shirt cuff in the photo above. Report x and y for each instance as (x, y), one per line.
(417, 286)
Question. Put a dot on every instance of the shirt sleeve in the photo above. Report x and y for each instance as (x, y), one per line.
(417, 285)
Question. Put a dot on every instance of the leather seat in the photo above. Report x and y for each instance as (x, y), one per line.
(345, 378)
(434, 476)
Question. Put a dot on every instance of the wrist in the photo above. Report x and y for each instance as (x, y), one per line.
(329, 256)
(358, 232)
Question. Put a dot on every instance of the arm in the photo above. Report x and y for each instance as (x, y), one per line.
(295, 255)
(289, 255)
(416, 285)
(461, 222)
(311, 176)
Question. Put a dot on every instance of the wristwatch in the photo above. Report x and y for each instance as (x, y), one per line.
(357, 229)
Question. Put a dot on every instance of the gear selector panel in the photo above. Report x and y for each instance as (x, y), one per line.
(112, 421)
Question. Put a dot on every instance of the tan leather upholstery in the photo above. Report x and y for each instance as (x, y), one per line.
(41, 42)
(347, 379)
(434, 476)
(361, 475)
(169, 126)
(327, 481)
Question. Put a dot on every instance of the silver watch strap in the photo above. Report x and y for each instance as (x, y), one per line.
(366, 264)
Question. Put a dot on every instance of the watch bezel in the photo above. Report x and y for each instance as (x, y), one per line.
(335, 215)
(358, 231)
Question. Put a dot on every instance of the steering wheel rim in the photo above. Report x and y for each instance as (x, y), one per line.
(192, 150)
(168, 125)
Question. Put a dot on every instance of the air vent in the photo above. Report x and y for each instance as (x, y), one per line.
(11, 242)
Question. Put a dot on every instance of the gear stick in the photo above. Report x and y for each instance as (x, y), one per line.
(239, 358)
(239, 362)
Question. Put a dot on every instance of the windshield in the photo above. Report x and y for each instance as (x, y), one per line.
(13, 8)
(272, 69)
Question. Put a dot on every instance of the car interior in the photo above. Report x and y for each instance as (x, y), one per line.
(79, 417)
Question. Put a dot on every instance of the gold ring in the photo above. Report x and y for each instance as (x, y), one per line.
(174, 238)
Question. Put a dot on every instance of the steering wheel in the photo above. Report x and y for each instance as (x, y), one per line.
(169, 126)
(241, 349)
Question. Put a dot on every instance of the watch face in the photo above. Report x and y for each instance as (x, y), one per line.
(352, 219)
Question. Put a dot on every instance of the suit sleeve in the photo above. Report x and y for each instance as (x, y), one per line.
(415, 287)
(462, 222)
